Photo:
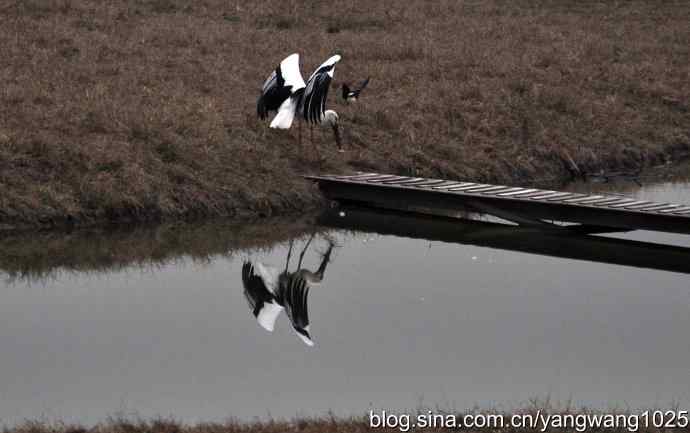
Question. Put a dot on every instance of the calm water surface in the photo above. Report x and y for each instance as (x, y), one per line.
(397, 322)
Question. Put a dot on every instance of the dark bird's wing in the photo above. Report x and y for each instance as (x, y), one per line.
(280, 85)
(361, 87)
(262, 302)
(313, 103)
(294, 291)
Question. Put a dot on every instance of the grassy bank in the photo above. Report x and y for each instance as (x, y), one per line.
(357, 424)
(145, 109)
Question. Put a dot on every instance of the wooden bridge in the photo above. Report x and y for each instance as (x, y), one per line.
(525, 206)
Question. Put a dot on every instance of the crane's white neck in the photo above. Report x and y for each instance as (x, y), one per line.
(330, 118)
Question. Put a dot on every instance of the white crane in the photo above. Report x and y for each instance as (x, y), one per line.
(269, 293)
(286, 93)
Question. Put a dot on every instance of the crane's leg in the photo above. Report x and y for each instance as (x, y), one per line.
(299, 132)
(287, 262)
(324, 262)
(338, 141)
(315, 148)
(301, 256)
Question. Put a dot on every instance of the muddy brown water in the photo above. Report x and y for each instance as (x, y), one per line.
(399, 323)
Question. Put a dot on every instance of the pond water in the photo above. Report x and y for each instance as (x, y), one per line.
(155, 323)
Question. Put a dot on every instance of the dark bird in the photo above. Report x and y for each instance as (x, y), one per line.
(351, 95)
(268, 293)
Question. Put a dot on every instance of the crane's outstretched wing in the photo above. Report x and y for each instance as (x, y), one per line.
(261, 300)
(313, 102)
(294, 291)
(283, 82)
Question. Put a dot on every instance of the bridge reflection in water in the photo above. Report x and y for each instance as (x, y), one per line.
(558, 242)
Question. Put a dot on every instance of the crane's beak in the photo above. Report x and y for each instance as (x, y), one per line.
(336, 133)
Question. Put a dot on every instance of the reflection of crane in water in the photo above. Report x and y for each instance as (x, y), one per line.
(269, 293)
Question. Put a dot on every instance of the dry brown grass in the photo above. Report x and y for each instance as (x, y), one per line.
(145, 109)
(328, 423)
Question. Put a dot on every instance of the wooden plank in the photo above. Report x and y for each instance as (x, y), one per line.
(428, 183)
(604, 201)
(450, 184)
(410, 180)
(627, 205)
(381, 178)
(529, 195)
(465, 187)
(620, 201)
(496, 189)
(359, 176)
(518, 192)
(481, 189)
(639, 206)
(568, 195)
(395, 179)
(583, 200)
(546, 194)
(679, 208)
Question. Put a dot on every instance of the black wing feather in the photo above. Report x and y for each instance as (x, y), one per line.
(273, 94)
(313, 102)
(294, 292)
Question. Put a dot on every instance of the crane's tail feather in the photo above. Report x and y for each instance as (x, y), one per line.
(286, 114)
(268, 314)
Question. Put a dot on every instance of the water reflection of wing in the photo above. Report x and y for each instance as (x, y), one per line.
(294, 291)
(261, 300)
(269, 275)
